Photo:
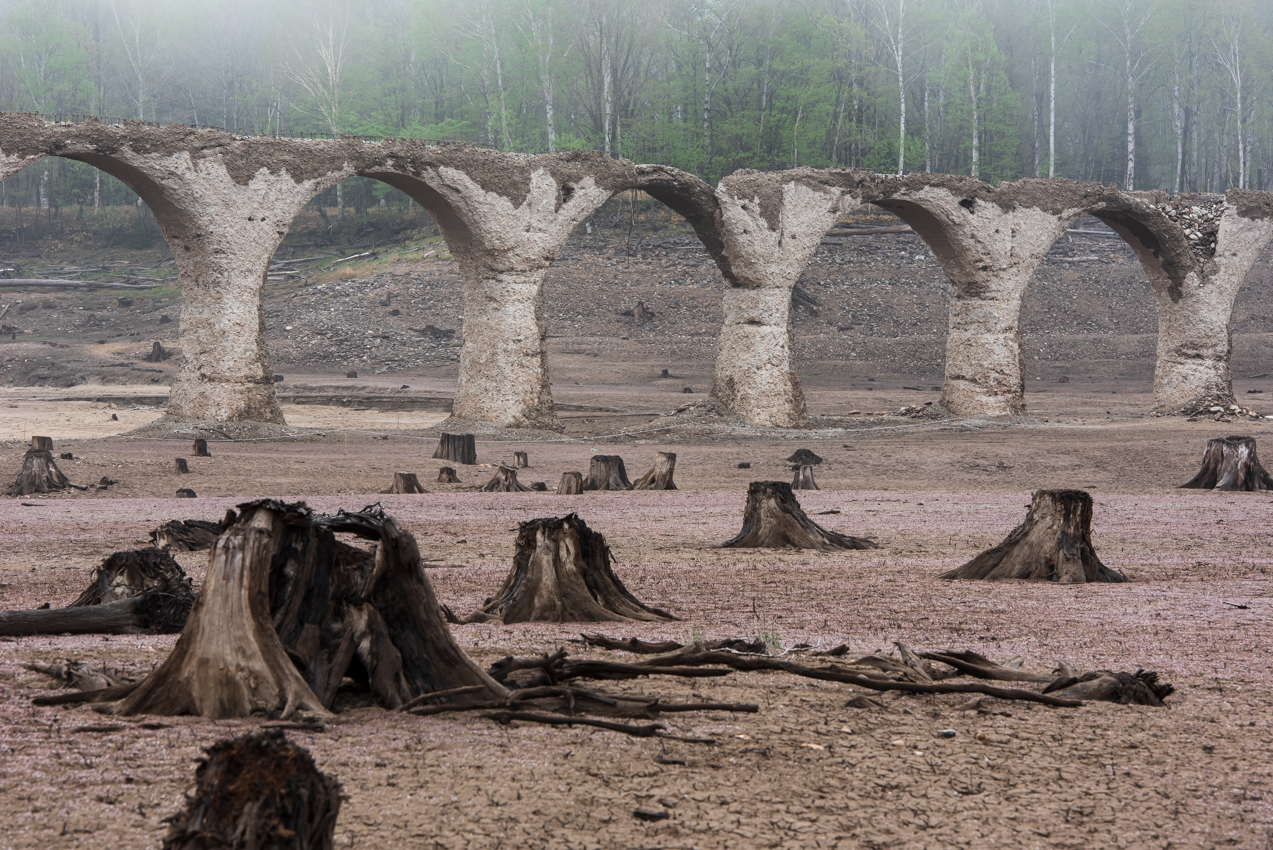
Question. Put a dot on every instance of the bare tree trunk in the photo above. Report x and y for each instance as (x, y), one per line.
(39, 471)
(459, 448)
(803, 479)
(773, 519)
(660, 475)
(257, 791)
(1230, 463)
(606, 472)
(561, 574)
(405, 482)
(505, 481)
(1054, 543)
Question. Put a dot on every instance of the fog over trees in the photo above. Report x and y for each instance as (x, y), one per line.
(1172, 94)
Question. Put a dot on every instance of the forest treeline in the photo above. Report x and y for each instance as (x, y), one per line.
(1172, 94)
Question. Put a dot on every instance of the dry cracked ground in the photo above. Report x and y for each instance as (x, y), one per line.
(807, 770)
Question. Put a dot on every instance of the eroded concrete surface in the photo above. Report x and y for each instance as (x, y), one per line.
(225, 202)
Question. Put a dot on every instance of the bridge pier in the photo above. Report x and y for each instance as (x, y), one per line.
(990, 242)
(771, 226)
(504, 238)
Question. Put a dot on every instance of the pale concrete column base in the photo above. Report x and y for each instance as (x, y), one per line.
(503, 376)
(755, 372)
(985, 370)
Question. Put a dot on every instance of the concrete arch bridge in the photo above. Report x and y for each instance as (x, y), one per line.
(225, 202)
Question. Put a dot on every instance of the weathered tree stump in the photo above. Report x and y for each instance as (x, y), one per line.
(571, 484)
(39, 471)
(803, 479)
(158, 353)
(180, 466)
(804, 457)
(606, 472)
(642, 313)
(1230, 463)
(288, 611)
(773, 519)
(1054, 543)
(446, 475)
(257, 791)
(351, 374)
(187, 493)
(660, 475)
(143, 591)
(561, 574)
(200, 447)
(405, 482)
(505, 481)
(521, 460)
(457, 448)
(192, 535)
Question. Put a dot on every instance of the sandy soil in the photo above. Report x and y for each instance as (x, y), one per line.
(806, 771)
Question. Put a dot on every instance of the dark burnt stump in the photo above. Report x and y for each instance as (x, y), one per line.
(405, 482)
(571, 484)
(143, 591)
(1054, 543)
(158, 353)
(192, 535)
(773, 519)
(187, 493)
(257, 792)
(521, 460)
(457, 448)
(200, 448)
(1230, 463)
(446, 475)
(505, 481)
(803, 479)
(180, 466)
(606, 472)
(288, 611)
(39, 471)
(660, 475)
(561, 574)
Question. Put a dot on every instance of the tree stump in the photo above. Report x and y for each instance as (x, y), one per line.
(180, 466)
(606, 472)
(571, 484)
(351, 374)
(187, 493)
(803, 479)
(405, 482)
(143, 591)
(158, 353)
(287, 612)
(521, 460)
(642, 313)
(257, 791)
(505, 481)
(1054, 543)
(200, 447)
(457, 448)
(446, 475)
(773, 519)
(561, 574)
(660, 475)
(1230, 463)
(192, 535)
(39, 471)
